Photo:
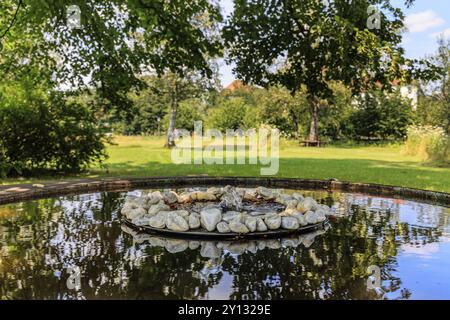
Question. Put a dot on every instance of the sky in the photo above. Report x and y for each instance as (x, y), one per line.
(426, 21)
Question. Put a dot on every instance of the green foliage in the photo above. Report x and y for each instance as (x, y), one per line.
(434, 108)
(321, 43)
(311, 44)
(429, 143)
(188, 112)
(432, 111)
(279, 108)
(379, 115)
(50, 134)
(232, 113)
(334, 116)
(116, 40)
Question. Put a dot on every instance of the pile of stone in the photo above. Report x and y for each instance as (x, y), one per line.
(222, 210)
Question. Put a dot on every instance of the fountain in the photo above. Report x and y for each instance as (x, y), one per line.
(226, 212)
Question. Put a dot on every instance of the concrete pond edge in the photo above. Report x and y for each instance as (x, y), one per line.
(23, 192)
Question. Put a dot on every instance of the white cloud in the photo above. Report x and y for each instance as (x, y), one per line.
(422, 21)
(445, 34)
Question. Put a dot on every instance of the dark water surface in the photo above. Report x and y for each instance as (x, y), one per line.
(45, 244)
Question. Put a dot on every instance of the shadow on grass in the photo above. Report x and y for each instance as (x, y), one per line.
(405, 173)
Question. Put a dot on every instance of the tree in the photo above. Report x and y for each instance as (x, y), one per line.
(434, 107)
(295, 43)
(278, 108)
(379, 115)
(177, 89)
(230, 113)
(117, 42)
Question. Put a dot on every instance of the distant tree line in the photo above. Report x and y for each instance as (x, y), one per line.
(315, 69)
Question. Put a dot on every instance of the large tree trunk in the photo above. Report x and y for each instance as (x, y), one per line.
(173, 116)
(314, 106)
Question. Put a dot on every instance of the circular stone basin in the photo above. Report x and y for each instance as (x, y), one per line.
(405, 236)
(226, 213)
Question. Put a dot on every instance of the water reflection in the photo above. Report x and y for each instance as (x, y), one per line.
(41, 240)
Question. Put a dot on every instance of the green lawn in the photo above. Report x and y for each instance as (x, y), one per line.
(146, 156)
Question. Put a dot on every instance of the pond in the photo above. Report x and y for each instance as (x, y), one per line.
(75, 247)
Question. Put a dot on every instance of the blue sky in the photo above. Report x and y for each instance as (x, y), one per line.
(426, 20)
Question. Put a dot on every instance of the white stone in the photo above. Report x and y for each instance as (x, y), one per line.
(231, 215)
(310, 217)
(182, 213)
(283, 198)
(193, 245)
(231, 200)
(291, 204)
(157, 242)
(223, 227)
(298, 196)
(300, 218)
(250, 223)
(141, 221)
(290, 242)
(175, 246)
(273, 222)
(158, 221)
(260, 225)
(154, 197)
(320, 215)
(237, 248)
(250, 195)
(307, 205)
(154, 209)
(194, 221)
(127, 207)
(289, 223)
(209, 218)
(209, 250)
(184, 198)
(265, 193)
(176, 222)
(273, 244)
(238, 227)
(170, 197)
(136, 213)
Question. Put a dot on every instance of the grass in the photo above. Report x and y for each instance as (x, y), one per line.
(146, 156)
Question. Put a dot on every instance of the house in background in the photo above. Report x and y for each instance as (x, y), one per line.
(237, 85)
(410, 92)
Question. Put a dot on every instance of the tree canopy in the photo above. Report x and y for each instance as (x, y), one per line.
(116, 42)
(310, 43)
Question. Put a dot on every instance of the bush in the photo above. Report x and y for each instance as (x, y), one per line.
(381, 116)
(430, 143)
(48, 133)
(231, 113)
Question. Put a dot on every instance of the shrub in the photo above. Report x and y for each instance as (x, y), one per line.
(231, 113)
(428, 142)
(48, 133)
(381, 116)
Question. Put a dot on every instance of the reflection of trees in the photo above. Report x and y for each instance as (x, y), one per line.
(42, 238)
(334, 267)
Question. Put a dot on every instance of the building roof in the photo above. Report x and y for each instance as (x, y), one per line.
(237, 85)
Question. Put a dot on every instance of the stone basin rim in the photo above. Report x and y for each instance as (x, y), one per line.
(230, 236)
(22, 192)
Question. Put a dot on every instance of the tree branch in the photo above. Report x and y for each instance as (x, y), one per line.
(12, 21)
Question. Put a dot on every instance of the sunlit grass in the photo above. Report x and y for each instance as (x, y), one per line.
(146, 156)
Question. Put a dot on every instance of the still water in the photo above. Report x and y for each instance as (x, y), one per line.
(75, 247)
